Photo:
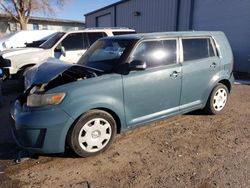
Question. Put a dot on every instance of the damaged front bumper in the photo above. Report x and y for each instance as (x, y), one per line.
(40, 130)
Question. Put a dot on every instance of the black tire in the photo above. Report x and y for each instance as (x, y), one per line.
(214, 106)
(84, 129)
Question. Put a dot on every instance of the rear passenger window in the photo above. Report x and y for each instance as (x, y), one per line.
(156, 53)
(92, 37)
(194, 49)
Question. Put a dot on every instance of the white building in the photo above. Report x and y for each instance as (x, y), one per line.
(36, 23)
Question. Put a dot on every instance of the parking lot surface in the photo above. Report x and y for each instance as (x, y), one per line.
(191, 150)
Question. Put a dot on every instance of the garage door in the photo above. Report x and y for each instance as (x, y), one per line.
(104, 21)
(233, 18)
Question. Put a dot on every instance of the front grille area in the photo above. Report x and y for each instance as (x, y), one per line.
(28, 138)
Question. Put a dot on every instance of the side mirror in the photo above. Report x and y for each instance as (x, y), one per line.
(137, 65)
(60, 49)
(63, 51)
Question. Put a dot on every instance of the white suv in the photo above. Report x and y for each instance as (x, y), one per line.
(67, 47)
(18, 39)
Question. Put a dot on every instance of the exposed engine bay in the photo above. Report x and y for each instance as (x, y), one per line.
(40, 82)
(73, 74)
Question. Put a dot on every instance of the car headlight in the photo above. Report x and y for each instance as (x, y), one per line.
(38, 100)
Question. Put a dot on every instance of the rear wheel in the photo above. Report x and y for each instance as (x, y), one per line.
(93, 133)
(217, 100)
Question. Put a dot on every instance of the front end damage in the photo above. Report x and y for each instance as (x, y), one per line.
(37, 122)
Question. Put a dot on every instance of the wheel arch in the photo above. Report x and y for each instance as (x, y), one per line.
(114, 115)
(227, 84)
(223, 80)
(21, 69)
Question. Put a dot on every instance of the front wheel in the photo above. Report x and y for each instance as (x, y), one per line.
(93, 133)
(217, 100)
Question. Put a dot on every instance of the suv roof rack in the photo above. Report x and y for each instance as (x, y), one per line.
(92, 28)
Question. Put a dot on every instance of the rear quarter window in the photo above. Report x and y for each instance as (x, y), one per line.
(197, 48)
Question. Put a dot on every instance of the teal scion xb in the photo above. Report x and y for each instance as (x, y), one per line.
(120, 83)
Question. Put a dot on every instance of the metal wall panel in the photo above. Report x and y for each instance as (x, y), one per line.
(229, 16)
(185, 15)
(232, 17)
(104, 21)
(156, 15)
(91, 20)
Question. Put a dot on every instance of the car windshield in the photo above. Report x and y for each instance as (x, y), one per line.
(37, 43)
(106, 54)
(52, 41)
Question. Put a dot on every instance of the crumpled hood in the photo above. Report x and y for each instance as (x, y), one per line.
(48, 70)
(18, 51)
(45, 71)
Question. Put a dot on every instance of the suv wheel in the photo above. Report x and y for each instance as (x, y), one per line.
(217, 100)
(93, 133)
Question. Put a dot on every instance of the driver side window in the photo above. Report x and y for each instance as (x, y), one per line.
(73, 41)
(156, 53)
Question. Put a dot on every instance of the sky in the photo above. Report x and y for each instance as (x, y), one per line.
(75, 9)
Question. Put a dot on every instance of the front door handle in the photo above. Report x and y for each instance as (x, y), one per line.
(174, 74)
(213, 65)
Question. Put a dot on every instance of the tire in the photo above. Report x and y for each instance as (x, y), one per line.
(217, 99)
(92, 134)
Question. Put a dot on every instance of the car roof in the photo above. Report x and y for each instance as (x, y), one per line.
(167, 34)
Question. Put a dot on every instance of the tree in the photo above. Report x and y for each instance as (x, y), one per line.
(20, 10)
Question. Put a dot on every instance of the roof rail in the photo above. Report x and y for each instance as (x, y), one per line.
(92, 28)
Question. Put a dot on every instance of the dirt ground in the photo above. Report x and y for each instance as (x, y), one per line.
(191, 150)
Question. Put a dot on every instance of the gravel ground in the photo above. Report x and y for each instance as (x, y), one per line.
(191, 150)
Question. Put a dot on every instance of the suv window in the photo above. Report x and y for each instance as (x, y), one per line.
(92, 37)
(197, 48)
(52, 41)
(123, 32)
(73, 41)
(156, 53)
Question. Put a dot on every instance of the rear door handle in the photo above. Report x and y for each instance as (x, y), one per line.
(174, 74)
(213, 65)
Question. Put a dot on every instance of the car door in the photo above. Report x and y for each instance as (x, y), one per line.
(74, 46)
(153, 93)
(200, 66)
